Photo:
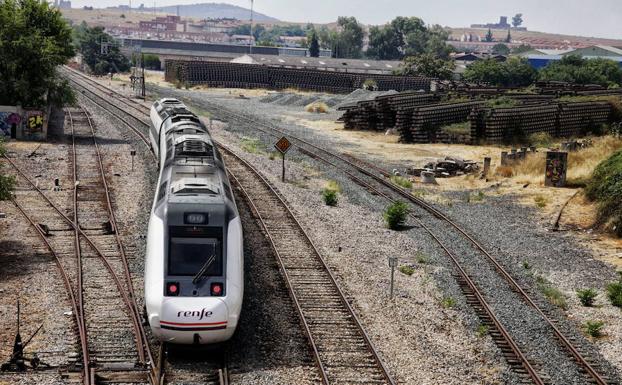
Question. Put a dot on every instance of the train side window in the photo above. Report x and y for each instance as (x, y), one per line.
(162, 191)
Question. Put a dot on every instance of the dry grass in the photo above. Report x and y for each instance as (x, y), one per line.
(504, 171)
(317, 107)
(581, 163)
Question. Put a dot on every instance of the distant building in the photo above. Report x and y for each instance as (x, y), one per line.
(242, 39)
(292, 41)
(62, 4)
(164, 23)
(502, 24)
(541, 58)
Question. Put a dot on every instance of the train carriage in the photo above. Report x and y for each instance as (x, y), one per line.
(194, 261)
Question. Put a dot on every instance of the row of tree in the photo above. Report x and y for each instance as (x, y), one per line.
(517, 72)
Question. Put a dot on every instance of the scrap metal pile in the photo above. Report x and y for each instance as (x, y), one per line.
(447, 167)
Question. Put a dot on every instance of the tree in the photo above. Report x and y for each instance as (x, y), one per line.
(100, 52)
(314, 46)
(521, 49)
(489, 38)
(407, 36)
(7, 182)
(575, 69)
(500, 49)
(34, 41)
(515, 72)
(349, 43)
(517, 20)
(508, 38)
(428, 65)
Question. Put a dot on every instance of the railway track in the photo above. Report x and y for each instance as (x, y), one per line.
(342, 350)
(113, 346)
(376, 181)
(169, 368)
(530, 366)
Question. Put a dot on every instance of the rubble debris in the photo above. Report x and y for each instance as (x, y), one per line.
(446, 167)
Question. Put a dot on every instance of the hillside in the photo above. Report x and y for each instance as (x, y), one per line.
(538, 39)
(216, 10)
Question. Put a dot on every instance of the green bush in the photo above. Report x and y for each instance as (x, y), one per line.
(482, 330)
(402, 182)
(553, 294)
(594, 328)
(587, 296)
(406, 269)
(614, 293)
(7, 182)
(251, 145)
(448, 302)
(329, 196)
(395, 215)
(605, 187)
(540, 139)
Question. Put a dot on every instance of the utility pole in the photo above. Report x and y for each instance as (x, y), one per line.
(250, 37)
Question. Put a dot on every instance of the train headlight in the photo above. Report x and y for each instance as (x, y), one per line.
(216, 289)
(172, 289)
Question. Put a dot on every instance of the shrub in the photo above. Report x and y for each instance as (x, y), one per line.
(422, 258)
(448, 302)
(405, 269)
(587, 296)
(251, 145)
(7, 182)
(370, 84)
(501, 101)
(402, 182)
(554, 295)
(330, 197)
(504, 171)
(540, 139)
(540, 200)
(605, 187)
(594, 328)
(395, 215)
(333, 185)
(526, 265)
(317, 107)
(614, 293)
(463, 128)
(482, 330)
(477, 197)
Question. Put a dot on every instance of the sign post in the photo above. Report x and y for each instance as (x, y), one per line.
(283, 145)
(392, 264)
(133, 153)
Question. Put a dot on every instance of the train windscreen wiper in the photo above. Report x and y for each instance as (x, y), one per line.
(203, 269)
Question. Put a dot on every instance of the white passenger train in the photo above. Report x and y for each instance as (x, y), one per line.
(194, 277)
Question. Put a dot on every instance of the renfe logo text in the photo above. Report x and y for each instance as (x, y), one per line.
(195, 313)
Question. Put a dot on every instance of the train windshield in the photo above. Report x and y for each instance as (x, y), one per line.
(188, 255)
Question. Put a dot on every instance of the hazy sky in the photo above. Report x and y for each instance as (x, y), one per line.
(600, 18)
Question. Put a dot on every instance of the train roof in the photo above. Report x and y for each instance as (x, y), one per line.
(193, 171)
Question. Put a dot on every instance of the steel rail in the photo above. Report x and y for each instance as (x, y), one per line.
(142, 342)
(371, 348)
(68, 288)
(83, 234)
(420, 202)
(78, 250)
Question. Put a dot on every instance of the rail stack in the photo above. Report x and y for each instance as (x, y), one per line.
(427, 121)
(579, 118)
(233, 75)
(381, 113)
(504, 124)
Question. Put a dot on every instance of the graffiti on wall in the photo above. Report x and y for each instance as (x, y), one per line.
(7, 120)
(33, 125)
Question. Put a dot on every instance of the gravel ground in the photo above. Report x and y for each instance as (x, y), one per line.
(429, 344)
(29, 273)
(565, 263)
(269, 346)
